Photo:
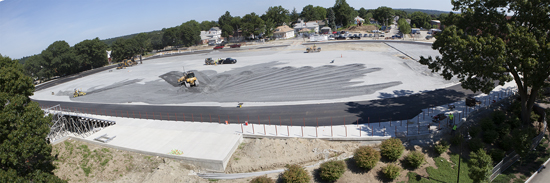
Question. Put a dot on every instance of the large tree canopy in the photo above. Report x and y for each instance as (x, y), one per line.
(383, 14)
(484, 47)
(311, 13)
(25, 155)
(60, 59)
(420, 19)
(252, 24)
(277, 14)
(344, 13)
(92, 53)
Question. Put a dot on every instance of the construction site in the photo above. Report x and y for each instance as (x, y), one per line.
(201, 108)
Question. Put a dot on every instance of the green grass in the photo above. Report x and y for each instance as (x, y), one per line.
(445, 172)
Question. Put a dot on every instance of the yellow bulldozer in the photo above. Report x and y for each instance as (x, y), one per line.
(188, 79)
(78, 93)
(126, 63)
(313, 49)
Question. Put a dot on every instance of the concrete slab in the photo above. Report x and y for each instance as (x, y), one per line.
(208, 150)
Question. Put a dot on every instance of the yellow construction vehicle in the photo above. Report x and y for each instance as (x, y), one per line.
(123, 64)
(313, 49)
(210, 61)
(188, 79)
(78, 93)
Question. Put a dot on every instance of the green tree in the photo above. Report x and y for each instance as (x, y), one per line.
(277, 15)
(206, 25)
(169, 36)
(384, 15)
(189, 33)
(25, 155)
(400, 13)
(91, 53)
(252, 25)
(236, 23)
(420, 19)
(124, 49)
(226, 19)
(156, 40)
(363, 13)
(144, 42)
(343, 13)
(331, 19)
(269, 27)
(404, 26)
(521, 141)
(480, 166)
(60, 59)
(33, 66)
(311, 13)
(484, 48)
(294, 15)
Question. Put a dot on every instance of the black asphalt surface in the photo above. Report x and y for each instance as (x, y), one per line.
(394, 109)
(390, 108)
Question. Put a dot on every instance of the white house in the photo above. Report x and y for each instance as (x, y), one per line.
(358, 19)
(283, 32)
(212, 36)
(312, 25)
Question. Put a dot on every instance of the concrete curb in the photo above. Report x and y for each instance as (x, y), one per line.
(534, 174)
(371, 41)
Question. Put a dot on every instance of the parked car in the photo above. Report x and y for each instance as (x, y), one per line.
(340, 37)
(228, 61)
(355, 37)
(235, 46)
(218, 47)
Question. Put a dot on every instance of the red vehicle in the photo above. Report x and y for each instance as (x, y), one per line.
(218, 47)
(235, 46)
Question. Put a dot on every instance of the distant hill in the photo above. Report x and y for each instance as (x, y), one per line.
(429, 12)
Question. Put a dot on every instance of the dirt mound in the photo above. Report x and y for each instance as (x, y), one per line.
(361, 29)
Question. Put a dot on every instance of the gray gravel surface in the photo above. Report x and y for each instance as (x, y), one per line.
(256, 83)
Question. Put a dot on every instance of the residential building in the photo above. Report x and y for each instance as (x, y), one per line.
(311, 25)
(358, 19)
(437, 24)
(283, 32)
(212, 36)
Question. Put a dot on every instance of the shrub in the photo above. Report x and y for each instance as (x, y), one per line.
(498, 117)
(391, 171)
(366, 157)
(514, 123)
(487, 124)
(441, 147)
(534, 116)
(295, 173)
(262, 179)
(415, 159)
(505, 143)
(474, 131)
(475, 144)
(480, 166)
(332, 170)
(504, 129)
(457, 139)
(392, 149)
(497, 154)
(490, 136)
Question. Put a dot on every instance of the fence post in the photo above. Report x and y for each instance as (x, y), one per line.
(360, 131)
(242, 129)
(346, 128)
(302, 131)
(316, 135)
(276, 134)
(264, 130)
(252, 128)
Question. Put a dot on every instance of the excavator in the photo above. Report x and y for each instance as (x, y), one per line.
(313, 49)
(188, 79)
(78, 93)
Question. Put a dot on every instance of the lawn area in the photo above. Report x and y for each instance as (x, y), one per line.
(445, 172)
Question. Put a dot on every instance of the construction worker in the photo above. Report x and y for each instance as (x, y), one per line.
(451, 117)
(454, 129)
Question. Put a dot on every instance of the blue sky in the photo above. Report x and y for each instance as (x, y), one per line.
(29, 26)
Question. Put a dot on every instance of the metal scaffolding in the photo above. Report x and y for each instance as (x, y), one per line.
(73, 123)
